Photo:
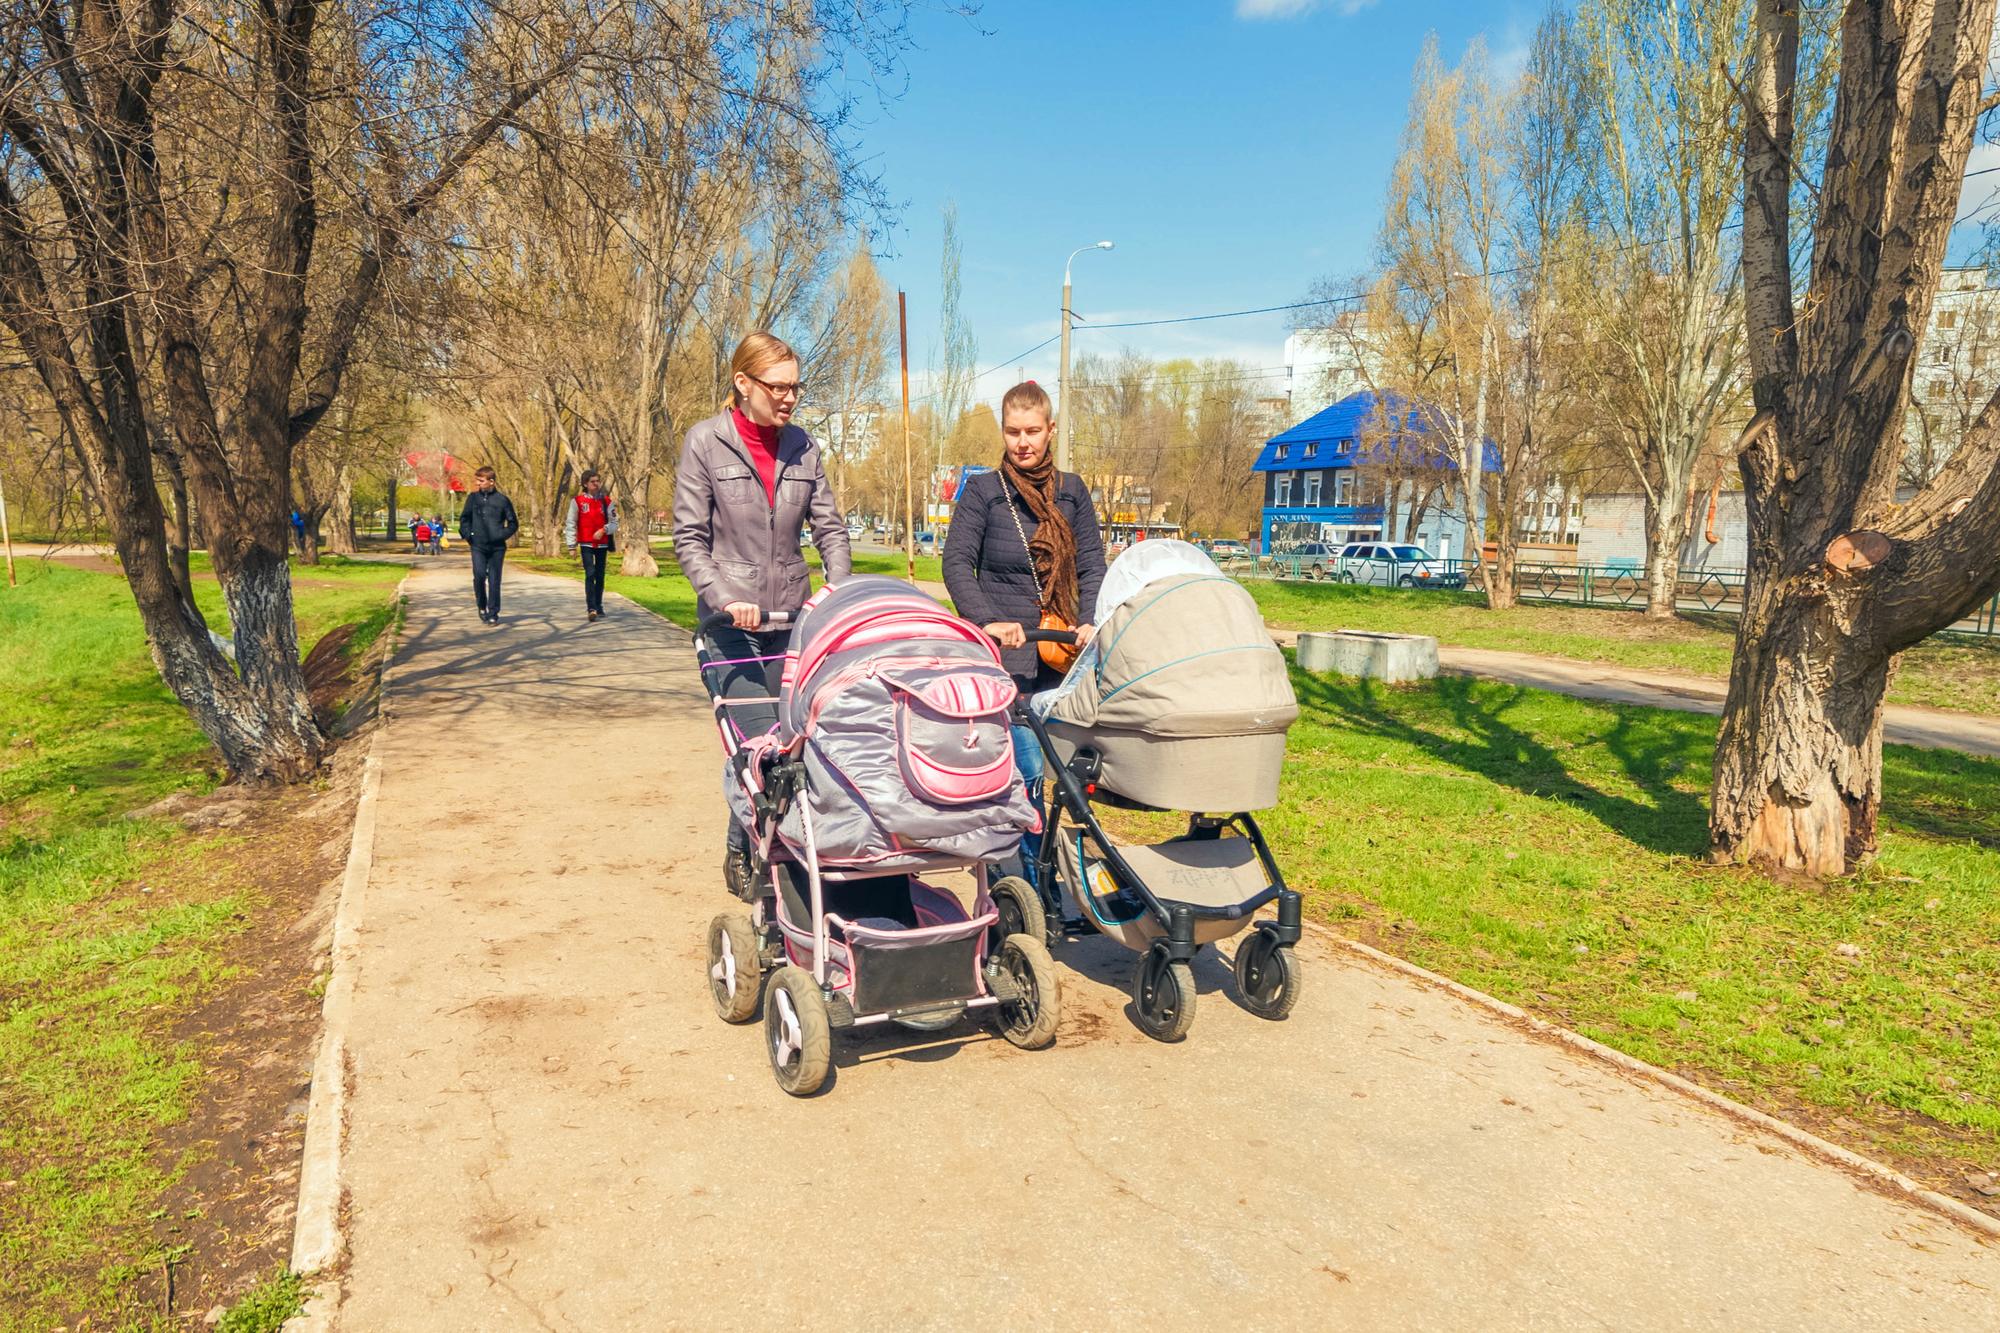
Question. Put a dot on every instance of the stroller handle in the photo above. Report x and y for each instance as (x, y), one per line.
(723, 620)
(1067, 636)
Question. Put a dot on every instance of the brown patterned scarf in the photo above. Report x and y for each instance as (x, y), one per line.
(1053, 547)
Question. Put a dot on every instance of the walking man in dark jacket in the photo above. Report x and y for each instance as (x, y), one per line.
(487, 523)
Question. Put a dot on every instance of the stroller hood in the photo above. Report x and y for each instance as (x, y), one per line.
(1187, 700)
(900, 712)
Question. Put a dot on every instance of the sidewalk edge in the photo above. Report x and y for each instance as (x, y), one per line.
(1874, 1172)
(318, 1239)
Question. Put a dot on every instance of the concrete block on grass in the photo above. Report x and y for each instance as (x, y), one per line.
(1393, 658)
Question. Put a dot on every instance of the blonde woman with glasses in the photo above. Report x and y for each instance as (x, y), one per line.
(749, 480)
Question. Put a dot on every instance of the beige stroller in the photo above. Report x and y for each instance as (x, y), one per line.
(1181, 702)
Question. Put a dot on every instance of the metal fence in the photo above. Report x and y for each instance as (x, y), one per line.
(1620, 586)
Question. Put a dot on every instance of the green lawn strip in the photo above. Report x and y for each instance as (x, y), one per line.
(1548, 850)
(930, 568)
(108, 932)
(337, 591)
(1942, 673)
(671, 595)
(86, 728)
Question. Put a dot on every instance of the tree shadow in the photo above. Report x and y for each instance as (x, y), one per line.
(1668, 819)
(1942, 794)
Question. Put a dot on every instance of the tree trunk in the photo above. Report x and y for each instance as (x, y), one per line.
(1501, 592)
(287, 744)
(1666, 534)
(340, 530)
(261, 720)
(636, 532)
(182, 542)
(1798, 760)
(310, 539)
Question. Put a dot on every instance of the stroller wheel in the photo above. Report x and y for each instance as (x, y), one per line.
(735, 972)
(1020, 909)
(796, 1035)
(1163, 995)
(1029, 1021)
(1267, 976)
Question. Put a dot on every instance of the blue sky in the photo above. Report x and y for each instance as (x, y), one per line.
(1235, 150)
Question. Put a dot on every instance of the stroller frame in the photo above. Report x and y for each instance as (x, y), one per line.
(1164, 986)
(923, 976)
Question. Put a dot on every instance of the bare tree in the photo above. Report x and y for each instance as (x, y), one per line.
(1667, 267)
(1545, 153)
(1440, 236)
(1842, 577)
(165, 170)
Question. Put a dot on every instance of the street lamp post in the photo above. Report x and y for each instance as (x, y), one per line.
(1062, 381)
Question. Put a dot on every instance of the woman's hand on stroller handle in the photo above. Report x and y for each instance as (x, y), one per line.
(743, 615)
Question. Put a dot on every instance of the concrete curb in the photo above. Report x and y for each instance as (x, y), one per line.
(318, 1242)
(1870, 1171)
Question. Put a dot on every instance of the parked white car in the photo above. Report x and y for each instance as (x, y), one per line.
(1394, 565)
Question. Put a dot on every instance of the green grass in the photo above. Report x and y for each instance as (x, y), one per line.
(930, 568)
(673, 597)
(1550, 851)
(110, 929)
(669, 595)
(266, 1308)
(1942, 673)
(86, 728)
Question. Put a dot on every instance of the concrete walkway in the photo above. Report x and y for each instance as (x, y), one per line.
(549, 1129)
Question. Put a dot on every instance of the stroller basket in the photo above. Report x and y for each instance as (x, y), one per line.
(899, 943)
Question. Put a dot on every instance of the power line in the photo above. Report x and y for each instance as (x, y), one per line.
(1351, 298)
(1357, 296)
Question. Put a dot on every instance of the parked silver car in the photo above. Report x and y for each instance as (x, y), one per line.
(1394, 565)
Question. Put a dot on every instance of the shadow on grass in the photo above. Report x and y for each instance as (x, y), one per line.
(1941, 794)
(1668, 820)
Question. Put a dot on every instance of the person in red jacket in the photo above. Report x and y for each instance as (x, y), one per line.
(592, 528)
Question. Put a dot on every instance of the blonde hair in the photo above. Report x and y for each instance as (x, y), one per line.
(1026, 396)
(754, 355)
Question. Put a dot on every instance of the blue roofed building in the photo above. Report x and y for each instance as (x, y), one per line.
(1361, 470)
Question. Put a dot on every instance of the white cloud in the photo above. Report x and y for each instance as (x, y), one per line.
(1291, 9)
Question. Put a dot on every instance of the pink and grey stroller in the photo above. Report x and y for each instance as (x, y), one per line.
(890, 760)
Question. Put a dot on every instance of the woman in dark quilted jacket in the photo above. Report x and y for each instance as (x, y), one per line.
(1024, 542)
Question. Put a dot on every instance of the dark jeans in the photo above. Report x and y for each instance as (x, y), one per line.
(748, 680)
(486, 563)
(594, 558)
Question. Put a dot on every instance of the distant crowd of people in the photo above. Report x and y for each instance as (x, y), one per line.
(427, 535)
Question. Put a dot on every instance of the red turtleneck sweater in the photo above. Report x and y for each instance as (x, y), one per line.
(762, 442)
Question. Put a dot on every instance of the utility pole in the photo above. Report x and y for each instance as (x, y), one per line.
(1062, 381)
(6, 537)
(909, 498)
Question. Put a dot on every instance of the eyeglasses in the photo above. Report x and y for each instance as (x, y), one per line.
(779, 390)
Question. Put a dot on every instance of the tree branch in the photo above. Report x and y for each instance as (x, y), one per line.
(1767, 186)
(321, 389)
